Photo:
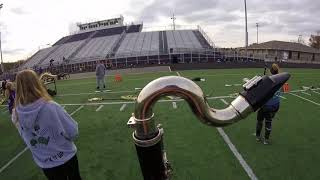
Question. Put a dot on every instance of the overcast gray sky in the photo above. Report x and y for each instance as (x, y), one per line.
(27, 25)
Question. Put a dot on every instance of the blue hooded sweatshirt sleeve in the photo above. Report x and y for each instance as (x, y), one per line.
(48, 132)
(274, 102)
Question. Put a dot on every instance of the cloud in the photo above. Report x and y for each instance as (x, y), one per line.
(222, 20)
(18, 11)
(159, 8)
(275, 16)
(13, 51)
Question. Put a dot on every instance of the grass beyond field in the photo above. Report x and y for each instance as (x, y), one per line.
(196, 151)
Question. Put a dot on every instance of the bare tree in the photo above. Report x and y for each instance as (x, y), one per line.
(314, 40)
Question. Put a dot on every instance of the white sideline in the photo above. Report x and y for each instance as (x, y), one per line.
(235, 152)
(123, 106)
(26, 148)
(305, 99)
(174, 105)
(99, 108)
(178, 73)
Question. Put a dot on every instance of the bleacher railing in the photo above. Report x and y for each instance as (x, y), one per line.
(206, 37)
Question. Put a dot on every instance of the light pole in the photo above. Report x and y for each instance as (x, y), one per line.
(246, 21)
(173, 22)
(2, 67)
(257, 24)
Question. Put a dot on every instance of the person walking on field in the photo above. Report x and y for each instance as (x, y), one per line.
(100, 74)
(267, 112)
(10, 95)
(46, 128)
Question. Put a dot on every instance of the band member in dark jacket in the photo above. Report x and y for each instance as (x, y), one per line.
(267, 112)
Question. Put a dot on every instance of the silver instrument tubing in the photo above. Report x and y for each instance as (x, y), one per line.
(192, 93)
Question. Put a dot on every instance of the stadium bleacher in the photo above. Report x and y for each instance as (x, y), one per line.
(126, 44)
(110, 31)
(37, 57)
(78, 37)
(99, 47)
(134, 28)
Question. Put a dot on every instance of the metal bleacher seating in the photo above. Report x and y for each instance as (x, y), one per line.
(182, 39)
(144, 43)
(64, 50)
(36, 58)
(118, 42)
(97, 47)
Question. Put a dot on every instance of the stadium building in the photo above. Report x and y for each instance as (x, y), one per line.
(124, 46)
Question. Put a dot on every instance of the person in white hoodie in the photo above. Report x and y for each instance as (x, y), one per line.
(46, 128)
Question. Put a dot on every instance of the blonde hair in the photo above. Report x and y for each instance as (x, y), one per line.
(9, 87)
(275, 69)
(29, 88)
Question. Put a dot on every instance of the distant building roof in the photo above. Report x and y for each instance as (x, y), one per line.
(282, 45)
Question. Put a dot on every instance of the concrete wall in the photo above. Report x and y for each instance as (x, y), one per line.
(176, 67)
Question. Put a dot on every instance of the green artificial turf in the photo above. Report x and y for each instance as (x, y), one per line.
(196, 151)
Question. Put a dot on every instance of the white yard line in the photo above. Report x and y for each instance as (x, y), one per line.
(178, 73)
(306, 93)
(132, 102)
(6, 111)
(26, 148)
(75, 111)
(302, 90)
(316, 92)
(123, 107)
(102, 103)
(236, 153)
(99, 108)
(305, 99)
(63, 107)
(219, 97)
(174, 105)
(238, 84)
(115, 92)
(224, 101)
